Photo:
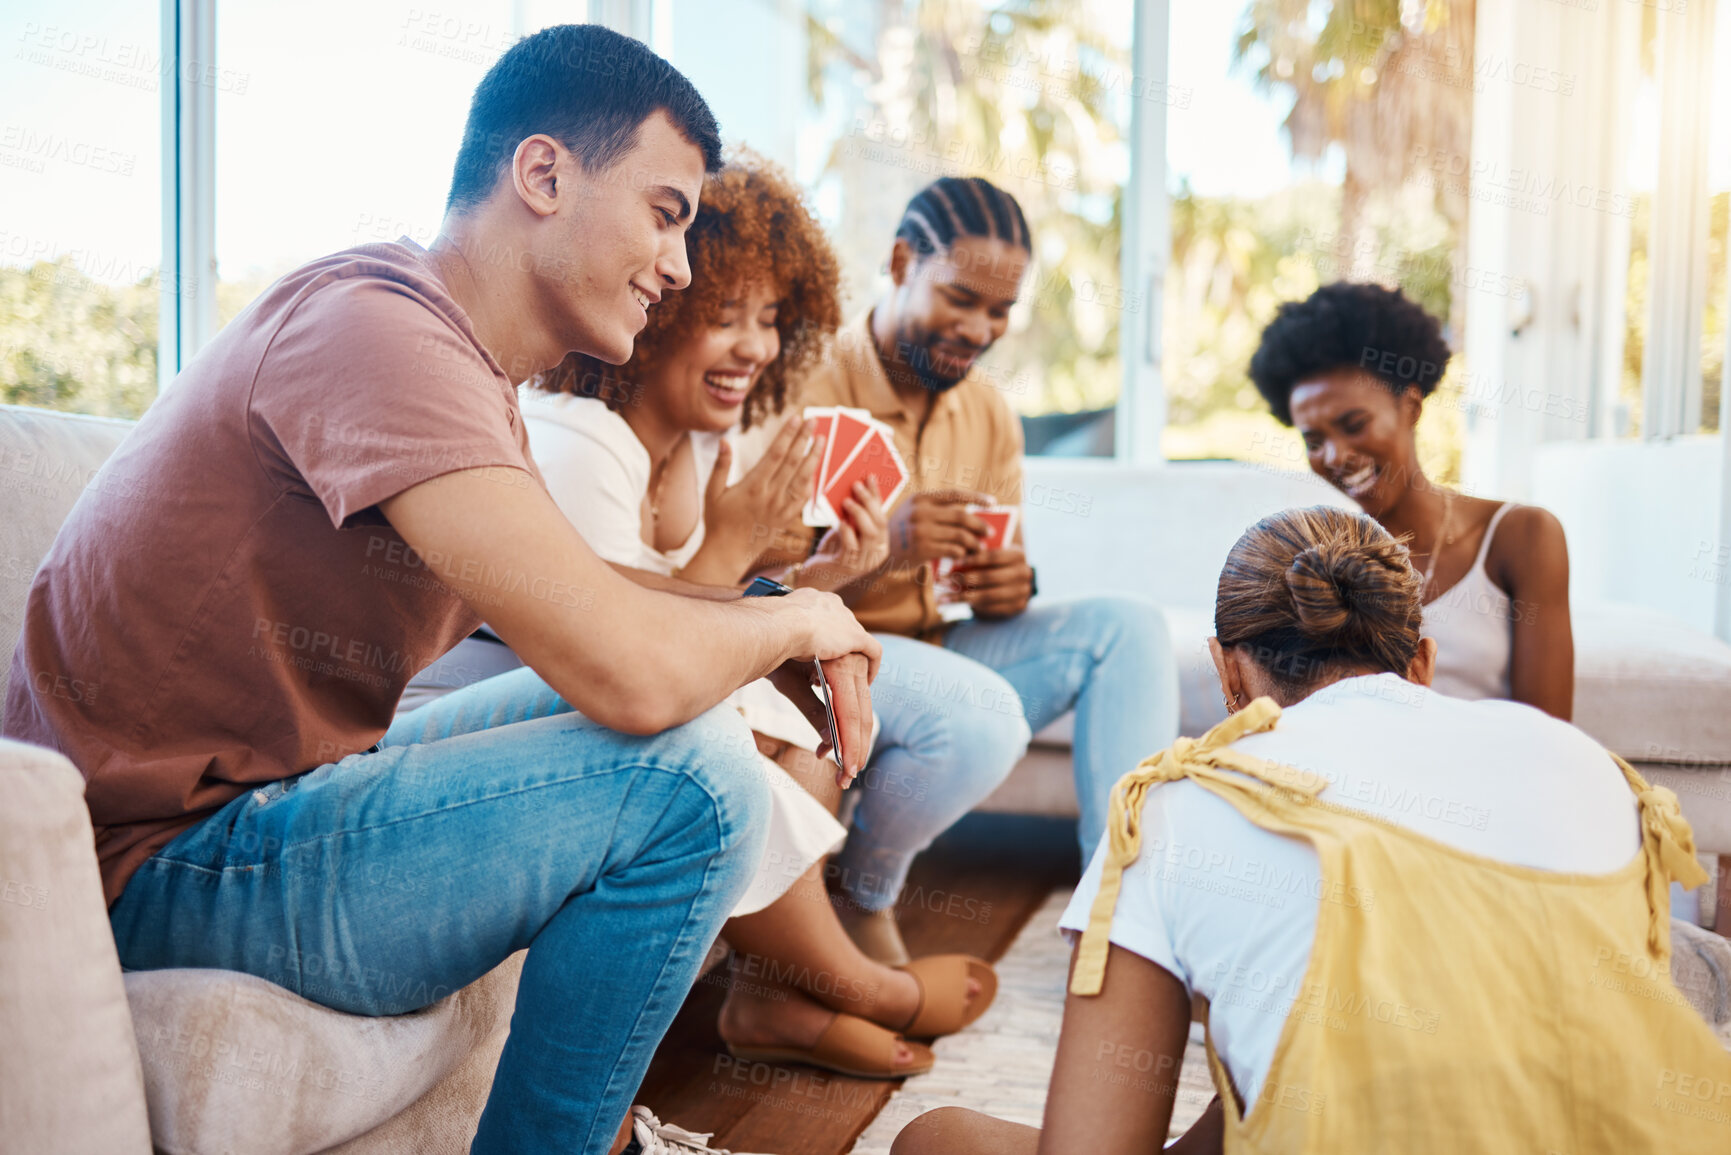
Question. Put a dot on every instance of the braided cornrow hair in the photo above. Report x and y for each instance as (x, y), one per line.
(954, 206)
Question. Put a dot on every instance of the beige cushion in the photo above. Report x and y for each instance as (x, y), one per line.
(234, 1063)
(46, 460)
(443, 1121)
(1704, 793)
(1651, 687)
(69, 1073)
(1701, 969)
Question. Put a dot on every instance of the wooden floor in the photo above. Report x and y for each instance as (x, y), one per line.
(973, 891)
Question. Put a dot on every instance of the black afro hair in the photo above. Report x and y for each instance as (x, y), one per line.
(1348, 326)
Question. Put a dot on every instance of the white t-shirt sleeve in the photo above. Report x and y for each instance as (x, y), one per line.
(593, 488)
(1141, 920)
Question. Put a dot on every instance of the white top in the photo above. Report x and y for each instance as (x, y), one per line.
(1230, 909)
(1474, 630)
(598, 473)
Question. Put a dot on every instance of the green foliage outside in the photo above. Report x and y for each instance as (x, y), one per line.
(70, 343)
(1033, 95)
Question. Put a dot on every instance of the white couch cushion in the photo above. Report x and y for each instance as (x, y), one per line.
(233, 1063)
(69, 1075)
(1651, 687)
(46, 460)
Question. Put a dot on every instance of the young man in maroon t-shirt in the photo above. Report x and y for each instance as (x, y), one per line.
(340, 491)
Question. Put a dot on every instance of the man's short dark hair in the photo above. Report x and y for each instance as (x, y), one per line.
(585, 86)
(1348, 326)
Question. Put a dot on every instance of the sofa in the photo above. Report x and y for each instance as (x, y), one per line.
(204, 1062)
(188, 1062)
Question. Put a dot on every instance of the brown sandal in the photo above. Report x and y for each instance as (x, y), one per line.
(851, 1046)
(943, 980)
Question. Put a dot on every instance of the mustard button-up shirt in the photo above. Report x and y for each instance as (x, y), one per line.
(972, 440)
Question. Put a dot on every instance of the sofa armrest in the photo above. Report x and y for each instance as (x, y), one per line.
(70, 1079)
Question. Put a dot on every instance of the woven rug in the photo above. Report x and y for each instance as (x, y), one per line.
(1002, 1063)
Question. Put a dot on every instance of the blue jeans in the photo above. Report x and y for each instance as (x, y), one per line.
(494, 819)
(956, 719)
(950, 731)
(1109, 659)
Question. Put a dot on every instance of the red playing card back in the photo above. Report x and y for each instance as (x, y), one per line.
(874, 458)
(1002, 519)
(823, 420)
(849, 432)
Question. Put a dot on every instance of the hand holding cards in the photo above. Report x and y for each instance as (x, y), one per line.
(1001, 520)
(856, 448)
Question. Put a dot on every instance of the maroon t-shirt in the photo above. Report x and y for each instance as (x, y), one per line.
(225, 605)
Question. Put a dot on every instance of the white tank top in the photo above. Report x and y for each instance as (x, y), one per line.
(1474, 630)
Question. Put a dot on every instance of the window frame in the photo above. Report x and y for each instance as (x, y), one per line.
(1140, 411)
(187, 278)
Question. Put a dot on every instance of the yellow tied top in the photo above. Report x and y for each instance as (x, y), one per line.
(1667, 841)
(1668, 844)
(1482, 1006)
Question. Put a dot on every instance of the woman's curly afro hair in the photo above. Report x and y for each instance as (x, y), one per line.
(752, 228)
(1348, 326)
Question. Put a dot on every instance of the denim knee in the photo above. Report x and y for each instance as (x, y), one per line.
(725, 765)
(986, 739)
(1125, 627)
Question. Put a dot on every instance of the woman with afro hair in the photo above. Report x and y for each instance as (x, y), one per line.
(1350, 367)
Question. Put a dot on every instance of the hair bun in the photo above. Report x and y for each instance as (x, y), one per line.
(1307, 589)
(1348, 590)
(1323, 588)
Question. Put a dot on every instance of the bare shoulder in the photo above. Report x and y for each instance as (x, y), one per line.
(1473, 514)
(1529, 547)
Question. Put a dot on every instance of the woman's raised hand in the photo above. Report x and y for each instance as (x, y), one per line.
(770, 495)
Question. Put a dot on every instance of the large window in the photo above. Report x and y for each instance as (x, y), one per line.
(1715, 338)
(80, 182)
(346, 129)
(868, 103)
(1664, 349)
(1305, 142)
(1300, 160)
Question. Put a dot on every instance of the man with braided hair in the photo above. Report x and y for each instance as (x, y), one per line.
(958, 699)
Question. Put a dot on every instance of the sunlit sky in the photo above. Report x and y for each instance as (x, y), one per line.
(338, 120)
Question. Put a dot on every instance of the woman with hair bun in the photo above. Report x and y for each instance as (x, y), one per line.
(1350, 367)
(1401, 942)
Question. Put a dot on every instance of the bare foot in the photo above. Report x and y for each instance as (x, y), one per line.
(883, 995)
(760, 1014)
